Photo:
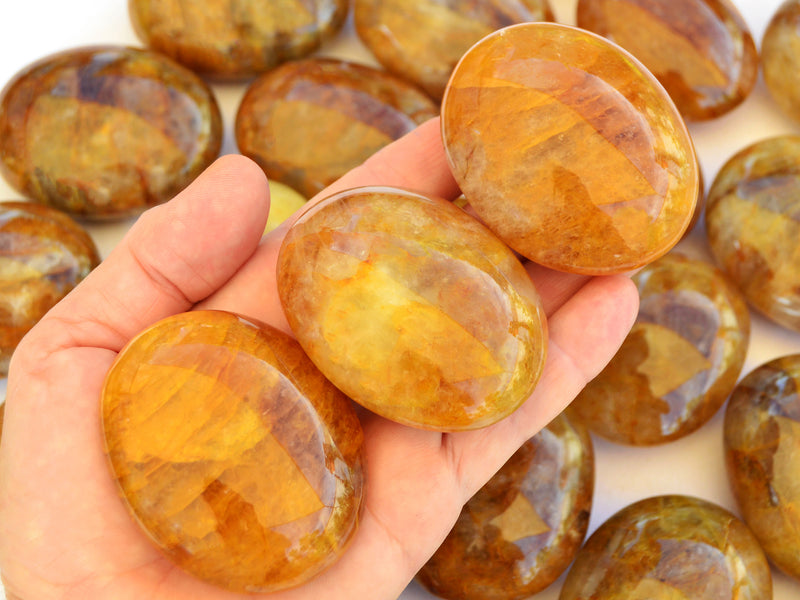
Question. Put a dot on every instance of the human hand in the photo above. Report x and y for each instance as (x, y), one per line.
(64, 531)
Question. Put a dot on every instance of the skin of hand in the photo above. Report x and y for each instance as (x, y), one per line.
(64, 531)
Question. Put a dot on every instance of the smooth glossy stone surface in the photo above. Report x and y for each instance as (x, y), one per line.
(569, 150)
(105, 132)
(524, 527)
(700, 204)
(762, 451)
(753, 226)
(700, 50)
(43, 255)
(412, 308)
(422, 40)
(670, 548)
(309, 122)
(780, 57)
(236, 39)
(679, 362)
(236, 456)
(283, 203)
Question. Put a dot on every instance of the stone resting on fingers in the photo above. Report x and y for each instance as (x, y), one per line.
(64, 532)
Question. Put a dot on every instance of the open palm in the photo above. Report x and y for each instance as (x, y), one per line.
(65, 533)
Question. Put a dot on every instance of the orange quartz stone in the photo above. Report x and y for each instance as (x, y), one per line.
(569, 149)
(43, 255)
(522, 529)
(105, 132)
(237, 457)
(780, 57)
(233, 40)
(422, 40)
(700, 50)
(670, 548)
(680, 361)
(309, 122)
(412, 308)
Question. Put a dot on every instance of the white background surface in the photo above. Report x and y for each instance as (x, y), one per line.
(30, 29)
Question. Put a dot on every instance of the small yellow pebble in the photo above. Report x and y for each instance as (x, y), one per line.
(284, 201)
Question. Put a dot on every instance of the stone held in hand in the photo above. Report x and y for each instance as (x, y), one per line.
(413, 308)
(241, 462)
(569, 149)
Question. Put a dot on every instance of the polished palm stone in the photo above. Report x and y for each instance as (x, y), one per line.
(309, 122)
(753, 225)
(233, 40)
(762, 451)
(523, 528)
(569, 149)
(700, 50)
(43, 255)
(679, 362)
(670, 548)
(412, 308)
(236, 456)
(422, 40)
(104, 132)
(780, 57)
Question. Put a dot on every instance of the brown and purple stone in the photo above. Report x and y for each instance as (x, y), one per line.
(679, 362)
(762, 451)
(522, 529)
(106, 132)
(309, 122)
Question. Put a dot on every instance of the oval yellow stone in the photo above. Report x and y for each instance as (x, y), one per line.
(236, 456)
(412, 308)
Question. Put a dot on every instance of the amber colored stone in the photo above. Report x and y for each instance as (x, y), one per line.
(700, 50)
(670, 548)
(679, 362)
(569, 149)
(105, 132)
(523, 528)
(780, 57)
(412, 308)
(233, 40)
(43, 255)
(236, 456)
(422, 40)
(309, 122)
(753, 225)
(762, 438)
